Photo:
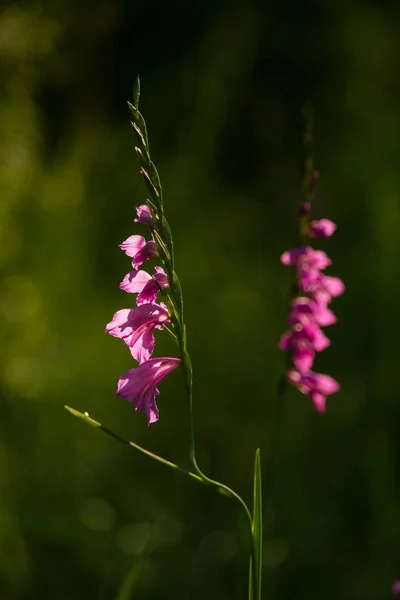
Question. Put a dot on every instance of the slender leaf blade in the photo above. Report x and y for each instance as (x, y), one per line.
(257, 527)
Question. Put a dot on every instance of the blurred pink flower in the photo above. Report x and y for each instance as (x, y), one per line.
(323, 228)
(309, 312)
(315, 385)
(396, 589)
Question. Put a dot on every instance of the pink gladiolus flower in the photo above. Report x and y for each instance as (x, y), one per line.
(136, 327)
(139, 385)
(143, 284)
(315, 385)
(323, 228)
(144, 215)
(140, 250)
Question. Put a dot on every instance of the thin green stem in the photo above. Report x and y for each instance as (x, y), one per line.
(85, 417)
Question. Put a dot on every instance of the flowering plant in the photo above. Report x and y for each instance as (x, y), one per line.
(159, 306)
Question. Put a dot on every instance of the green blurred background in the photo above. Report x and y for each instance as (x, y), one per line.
(223, 84)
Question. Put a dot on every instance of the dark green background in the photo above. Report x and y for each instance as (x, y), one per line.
(223, 84)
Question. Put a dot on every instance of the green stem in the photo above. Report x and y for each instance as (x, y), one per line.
(85, 417)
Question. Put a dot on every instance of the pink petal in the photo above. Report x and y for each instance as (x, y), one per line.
(319, 401)
(133, 244)
(333, 285)
(303, 358)
(119, 326)
(326, 384)
(139, 385)
(149, 250)
(135, 281)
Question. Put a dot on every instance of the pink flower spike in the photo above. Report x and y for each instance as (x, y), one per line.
(140, 250)
(139, 385)
(144, 215)
(136, 328)
(323, 228)
(315, 385)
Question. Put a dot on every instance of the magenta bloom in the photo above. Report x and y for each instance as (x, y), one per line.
(140, 250)
(145, 285)
(396, 589)
(321, 287)
(144, 215)
(304, 339)
(315, 385)
(323, 228)
(303, 350)
(139, 385)
(306, 258)
(136, 327)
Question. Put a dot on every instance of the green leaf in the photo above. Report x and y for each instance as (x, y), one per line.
(257, 528)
